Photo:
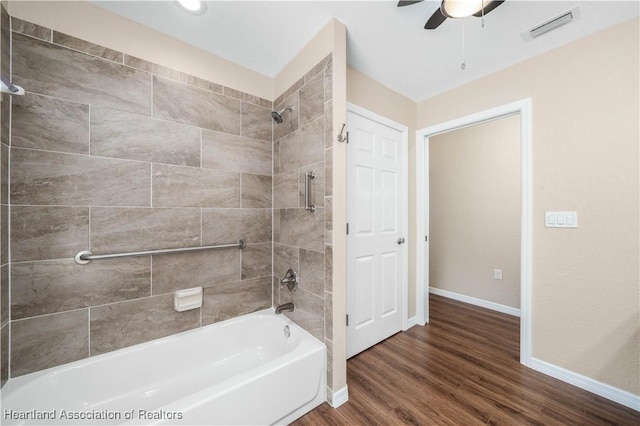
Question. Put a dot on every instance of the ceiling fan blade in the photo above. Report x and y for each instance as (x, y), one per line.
(403, 3)
(436, 19)
(489, 7)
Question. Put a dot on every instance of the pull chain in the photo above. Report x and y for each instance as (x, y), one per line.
(482, 13)
(463, 66)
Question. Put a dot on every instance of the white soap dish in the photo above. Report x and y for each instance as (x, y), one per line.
(190, 298)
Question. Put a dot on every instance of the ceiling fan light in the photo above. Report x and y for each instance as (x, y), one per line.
(462, 8)
(194, 7)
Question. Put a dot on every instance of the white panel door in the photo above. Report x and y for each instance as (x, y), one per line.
(376, 240)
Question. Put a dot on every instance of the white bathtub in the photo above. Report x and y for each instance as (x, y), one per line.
(241, 371)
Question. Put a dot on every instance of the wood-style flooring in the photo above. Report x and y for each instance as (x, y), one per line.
(461, 369)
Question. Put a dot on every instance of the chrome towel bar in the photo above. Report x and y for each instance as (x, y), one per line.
(84, 257)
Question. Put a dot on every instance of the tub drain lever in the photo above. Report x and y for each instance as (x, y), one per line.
(290, 280)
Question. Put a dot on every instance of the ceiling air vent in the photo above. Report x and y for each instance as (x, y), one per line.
(552, 24)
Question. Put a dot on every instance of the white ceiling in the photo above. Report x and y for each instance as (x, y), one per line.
(385, 42)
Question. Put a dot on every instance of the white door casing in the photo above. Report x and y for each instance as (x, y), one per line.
(523, 108)
(377, 239)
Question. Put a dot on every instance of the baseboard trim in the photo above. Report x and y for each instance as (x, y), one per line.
(474, 301)
(337, 398)
(411, 322)
(583, 382)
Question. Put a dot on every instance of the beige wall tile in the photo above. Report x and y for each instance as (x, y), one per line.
(27, 28)
(256, 191)
(201, 83)
(129, 136)
(4, 295)
(53, 70)
(226, 301)
(48, 232)
(318, 69)
(47, 341)
(329, 344)
(125, 324)
(224, 226)
(308, 312)
(302, 147)
(328, 79)
(311, 272)
(86, 47)
(4, 354)
(172, 272)
(186, 104)
(328, 220)
(312, 100)
(131, 229)
(275, 288)
(329, 136)
(179, 186)
(328, 268)
(328, 172)
(256, 260)
(276, 157)
(51, 178)
(5, 30)
(235, 153)
(286, 190)
(291, 90)
(51, 124)
(285, 257)
(256, 122)
(158, 70)
(4, 234)
(328, 315)
(302, 228)
(4, 172)
(252, 99)
(5, 114)
(46, 287)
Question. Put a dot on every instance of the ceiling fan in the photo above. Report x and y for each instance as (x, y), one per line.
(455, 9)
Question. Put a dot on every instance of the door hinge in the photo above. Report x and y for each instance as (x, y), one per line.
(426, 238)
(347, 137)
(347, 320)
(347, 229)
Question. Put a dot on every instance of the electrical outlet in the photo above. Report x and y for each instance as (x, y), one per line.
(497, 274)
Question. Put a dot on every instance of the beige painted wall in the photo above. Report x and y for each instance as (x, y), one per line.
(474, 217)
(585, 96)
(367, 93)
(92, 23)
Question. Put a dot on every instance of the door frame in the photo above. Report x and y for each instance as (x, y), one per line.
(523, 108)
(370, 115)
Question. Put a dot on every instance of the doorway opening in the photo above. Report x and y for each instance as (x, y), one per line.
(523, 110)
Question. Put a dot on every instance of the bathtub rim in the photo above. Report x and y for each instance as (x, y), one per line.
(13, 384)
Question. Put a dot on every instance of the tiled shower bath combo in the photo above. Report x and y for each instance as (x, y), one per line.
(110, 153)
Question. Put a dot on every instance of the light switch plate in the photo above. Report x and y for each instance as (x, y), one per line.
(561, 219)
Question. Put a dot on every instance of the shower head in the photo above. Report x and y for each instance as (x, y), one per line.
(277, 115)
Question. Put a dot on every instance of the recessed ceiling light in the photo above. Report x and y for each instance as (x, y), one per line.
(194, 7)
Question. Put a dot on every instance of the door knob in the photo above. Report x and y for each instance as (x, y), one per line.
(400, 240)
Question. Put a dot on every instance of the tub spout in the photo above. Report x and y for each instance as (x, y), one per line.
(285, 307)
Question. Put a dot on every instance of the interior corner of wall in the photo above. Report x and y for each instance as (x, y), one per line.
(316, 49)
